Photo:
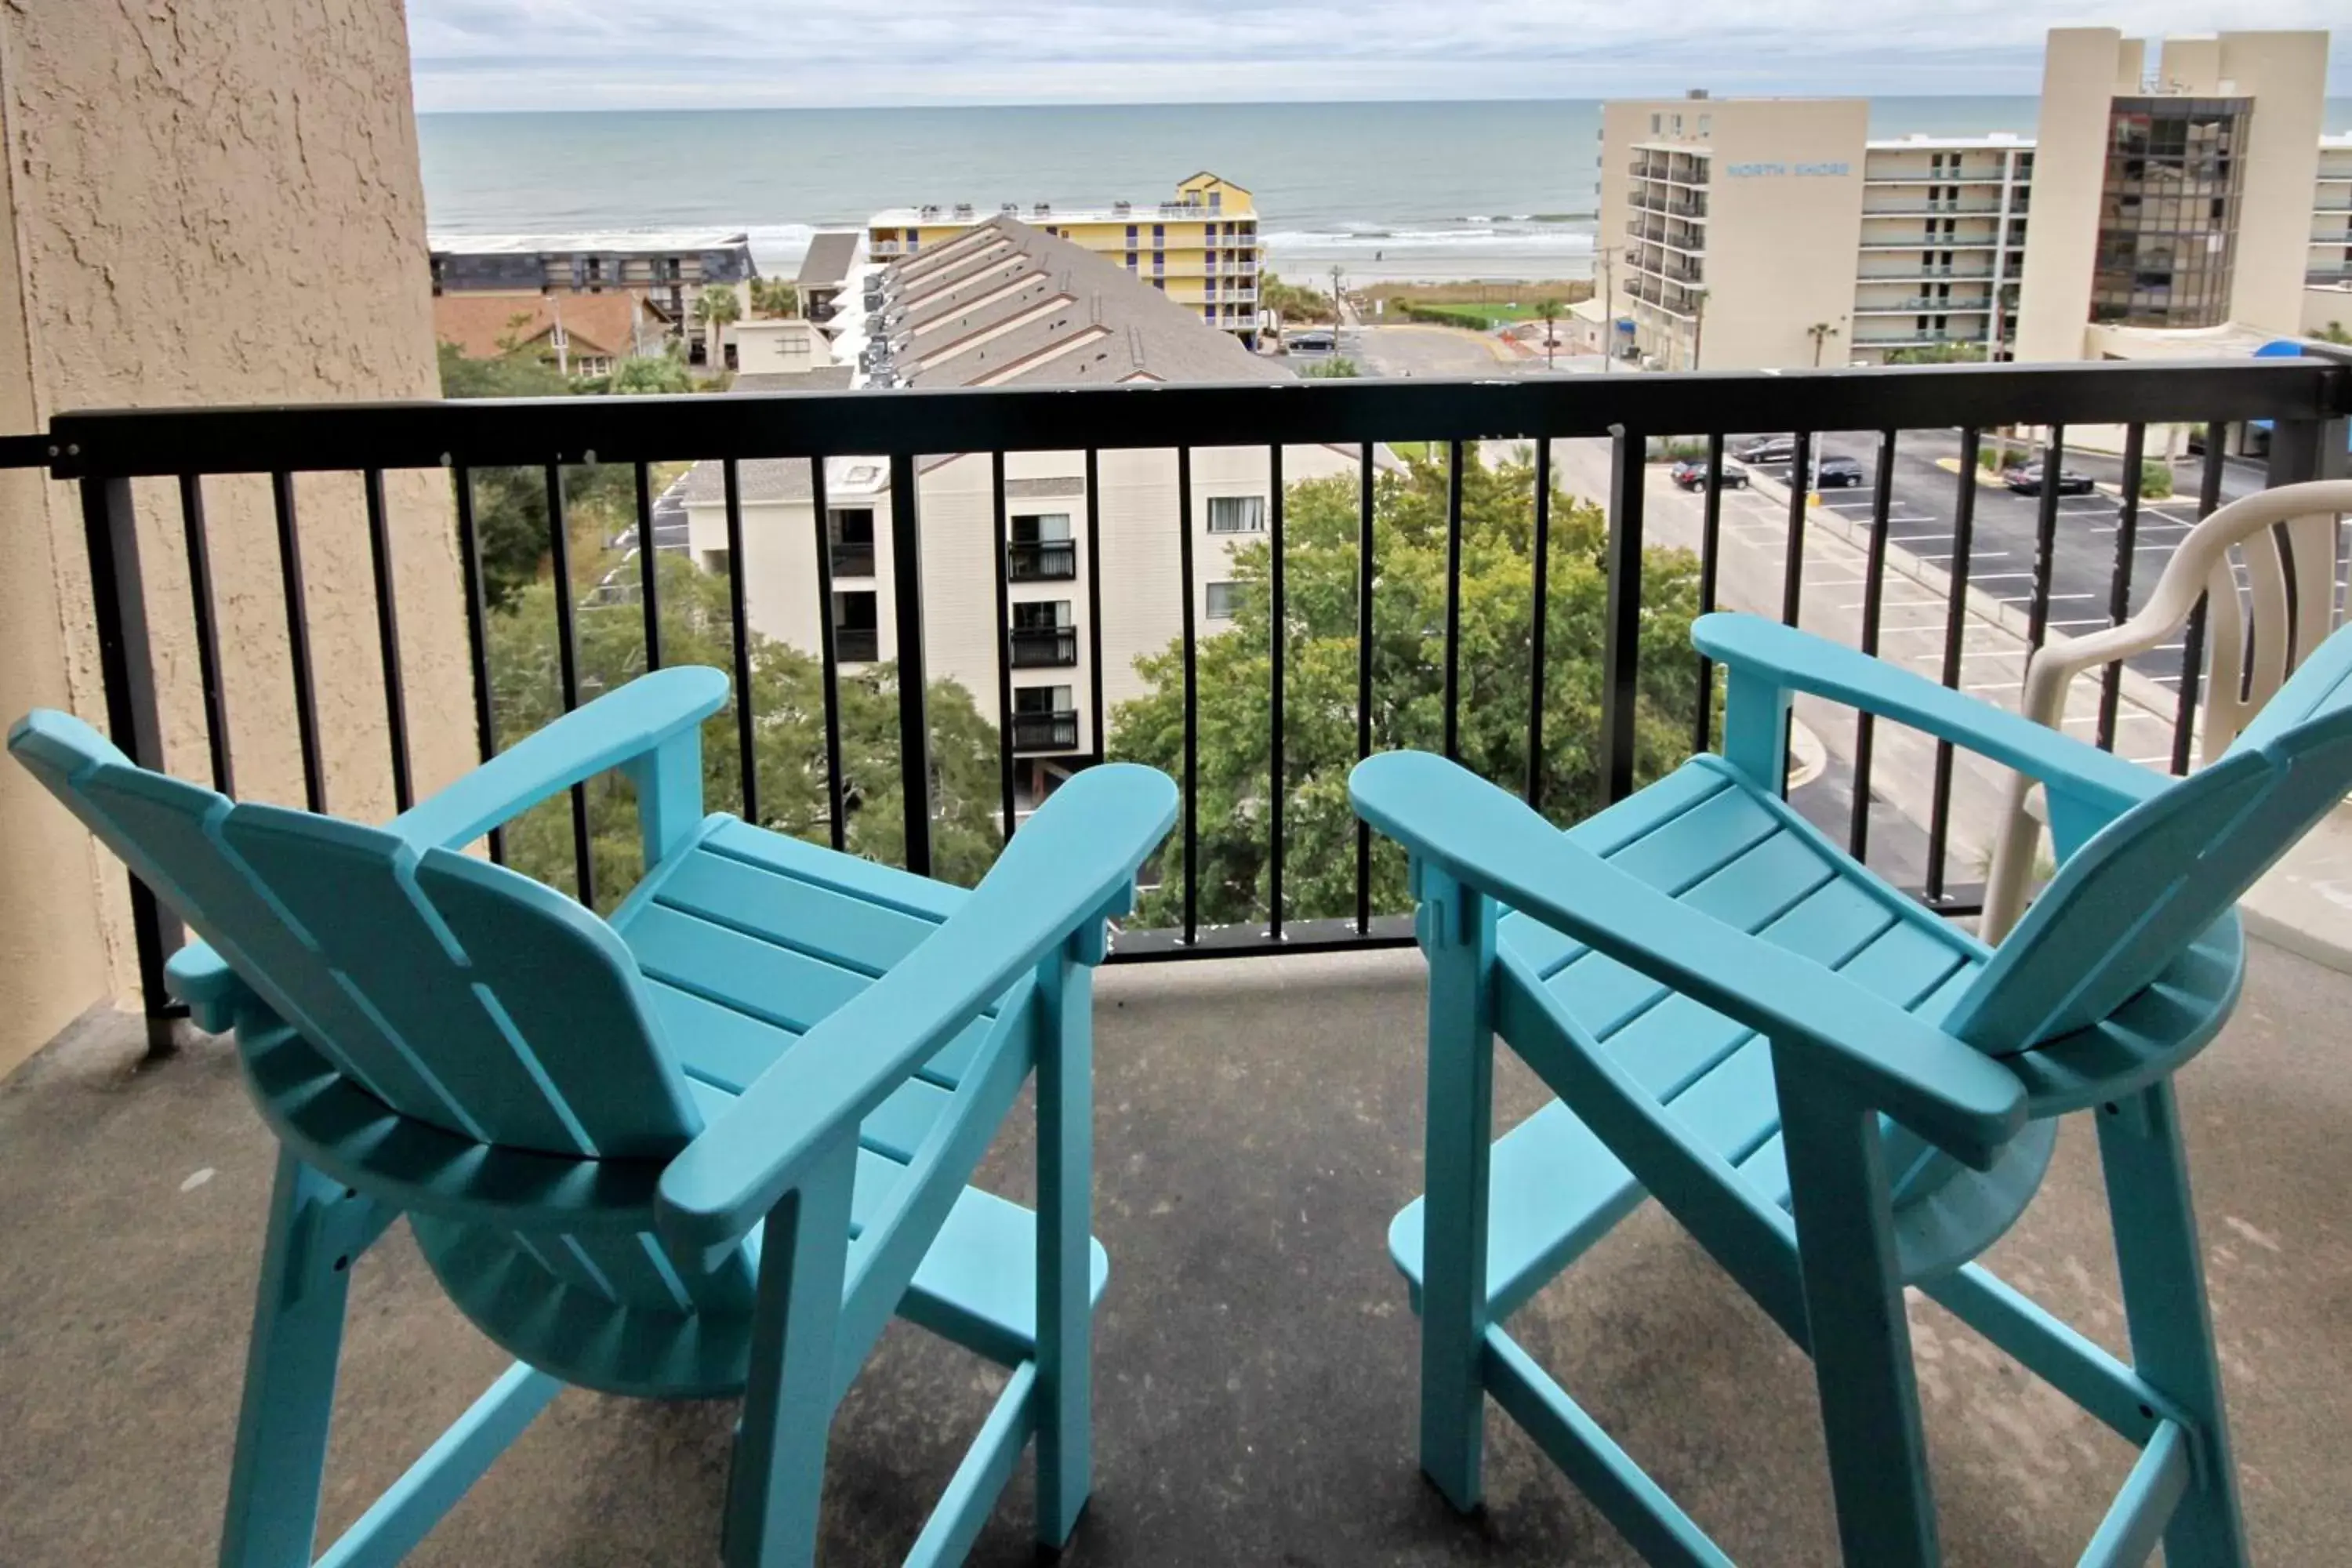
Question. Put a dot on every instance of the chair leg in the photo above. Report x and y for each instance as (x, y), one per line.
(2171, 1324)
(1065, 1394)
(776, 1483)
(1457, 932)
(290, 1378)
(1859, 1337)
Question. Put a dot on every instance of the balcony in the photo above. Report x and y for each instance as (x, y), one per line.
(1898, 207)
(857, 644)
(1044, 647)
(852, 560)
(1044, 734)
(1041, 561)
(1922, 304)
(1227, 1161)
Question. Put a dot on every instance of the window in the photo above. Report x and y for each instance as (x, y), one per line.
(1131, 232)
(1658, 123)
(715, 561)
(1706, 124)
(851, 532)
(856, 632)
(1236, 514)
(1041, 614)
(1225, 598)
(1159, 234)
(592, 365)
(1042, 700)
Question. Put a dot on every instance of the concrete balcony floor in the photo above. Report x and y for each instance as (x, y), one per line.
(1260, 1122)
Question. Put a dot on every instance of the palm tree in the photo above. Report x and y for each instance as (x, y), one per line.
(775, 297)
(1821, 333)
(1547, 309)
(715, 310)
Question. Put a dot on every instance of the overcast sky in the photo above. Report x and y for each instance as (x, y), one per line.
(627, 53)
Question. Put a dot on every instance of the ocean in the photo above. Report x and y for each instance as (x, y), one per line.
(1436, 190)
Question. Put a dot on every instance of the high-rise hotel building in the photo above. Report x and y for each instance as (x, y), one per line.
(2182, 189)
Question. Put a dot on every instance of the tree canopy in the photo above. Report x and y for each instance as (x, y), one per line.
(788, 712)
(1407, 709)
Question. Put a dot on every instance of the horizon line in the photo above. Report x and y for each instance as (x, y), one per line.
(1189, 104)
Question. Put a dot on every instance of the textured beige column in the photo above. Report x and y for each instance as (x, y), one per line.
(211, 202)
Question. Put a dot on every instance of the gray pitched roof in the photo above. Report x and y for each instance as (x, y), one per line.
(817, 378)
(829, 258)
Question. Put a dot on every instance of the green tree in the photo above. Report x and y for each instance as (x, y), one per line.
(641, 374)
(1548, 310)
(510, 504)
(775, 297)
(716, 309)
(788, 711)
(2333, 332)
(1938, 353)
(1292, 302)
(1333, 369)
(1408, 616)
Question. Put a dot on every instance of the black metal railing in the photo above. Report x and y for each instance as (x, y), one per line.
(2045, 556)
(1044, 647)
(852, 560)
(1041, 561)
(1045, 732)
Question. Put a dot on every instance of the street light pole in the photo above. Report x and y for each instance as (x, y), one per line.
(1698, 322)
(1605, 257)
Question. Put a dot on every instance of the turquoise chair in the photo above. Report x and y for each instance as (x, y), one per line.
(703, 1149)
(1837, 1093)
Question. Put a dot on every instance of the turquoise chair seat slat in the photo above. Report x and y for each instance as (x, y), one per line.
(431, 1034)
(1837, 1093)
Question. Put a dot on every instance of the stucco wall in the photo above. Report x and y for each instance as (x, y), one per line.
(208, 203)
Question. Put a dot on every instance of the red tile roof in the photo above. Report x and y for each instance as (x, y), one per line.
(594, 323)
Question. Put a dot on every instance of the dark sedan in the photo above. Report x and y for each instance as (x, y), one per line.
(2026, 481)
(1692, 476)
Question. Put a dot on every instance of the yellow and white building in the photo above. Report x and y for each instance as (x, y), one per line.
(2154, 201)
(1200, 249)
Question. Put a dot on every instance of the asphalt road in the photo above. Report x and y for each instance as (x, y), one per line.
(1924, 496)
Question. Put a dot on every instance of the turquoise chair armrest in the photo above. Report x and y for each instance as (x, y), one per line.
(203, 979)
(1068, 870)
(615, 730)
(1949, 1093)
(1793, 661)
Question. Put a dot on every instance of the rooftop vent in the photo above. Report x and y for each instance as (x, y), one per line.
(1011, 209)
(1041, 209)
(963, 209)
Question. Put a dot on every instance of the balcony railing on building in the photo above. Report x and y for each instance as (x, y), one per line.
(852, 560)
(1041, 560)
(148, 571)
(1044, 647)
(1045, 732)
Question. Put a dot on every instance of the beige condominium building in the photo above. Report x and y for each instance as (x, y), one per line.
(1200, 249)
(2170, 190)
(1003, 304)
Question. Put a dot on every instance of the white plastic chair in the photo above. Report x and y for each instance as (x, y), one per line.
(2284, 536)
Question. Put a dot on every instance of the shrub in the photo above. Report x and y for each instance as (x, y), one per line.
(2155, 479)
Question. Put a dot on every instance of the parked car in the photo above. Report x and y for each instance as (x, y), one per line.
(1769, 449)
(1835, 473)
(1310, 343)
(1691, 475)
(2025, 479)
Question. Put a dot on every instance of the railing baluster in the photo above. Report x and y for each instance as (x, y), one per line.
(1364, 678)
(2192, 650)
(2120, 584)
(127, 671)
(2046, 537)
(1192, 700)
(208, 660)
(1620, 649)
(828, 652)
(387, 631)
(1792, 569)
(297, 641)
(1710, 535)
(649, 566)
(1094, 601)
(1004, 642)
(1956, 627)
(740, 626)
(914, 689)
(1874, 594)
(478, 641)
(1540, 612)
(567, 666)
(1454, 600)
(1278, 645)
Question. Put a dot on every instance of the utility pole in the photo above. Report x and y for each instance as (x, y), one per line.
(1698, 322)
(1604, 258)
(1339, 314)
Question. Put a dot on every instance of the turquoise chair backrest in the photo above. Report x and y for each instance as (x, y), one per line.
(2138, 893)
(457, 993)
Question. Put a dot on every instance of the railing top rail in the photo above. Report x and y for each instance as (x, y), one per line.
(522, 432)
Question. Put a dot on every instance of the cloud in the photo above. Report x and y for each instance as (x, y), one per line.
(586, 54)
